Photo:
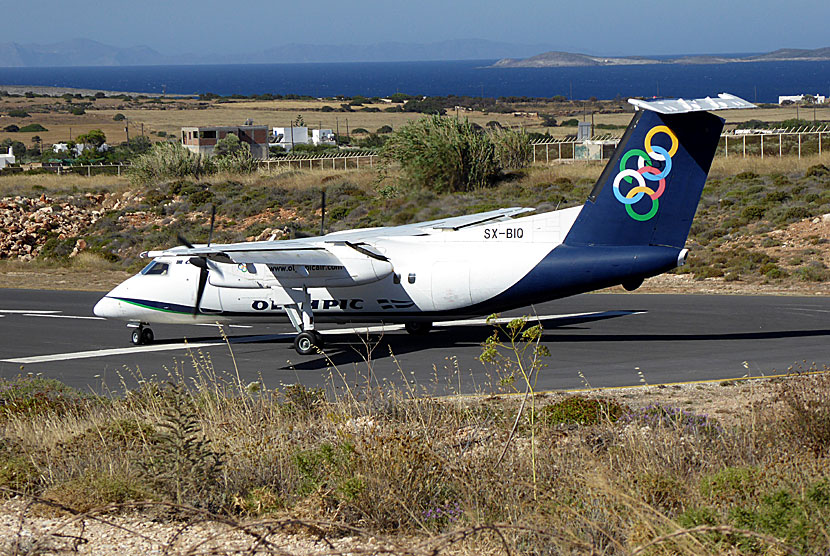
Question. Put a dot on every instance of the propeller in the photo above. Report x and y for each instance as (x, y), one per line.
(200, 262)
(323, 214)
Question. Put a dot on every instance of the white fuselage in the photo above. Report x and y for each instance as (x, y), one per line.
(442, 272)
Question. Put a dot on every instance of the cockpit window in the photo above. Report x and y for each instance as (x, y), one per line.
(155, 267)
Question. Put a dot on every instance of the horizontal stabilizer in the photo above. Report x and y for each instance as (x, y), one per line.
(725, 101)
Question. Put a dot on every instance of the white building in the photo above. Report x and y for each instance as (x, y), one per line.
(6, 159)
(287, 137)
(820, 99)
(323, 137)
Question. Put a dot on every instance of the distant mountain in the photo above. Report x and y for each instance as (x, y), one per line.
(84, 52)
(563, 59)
(76, 52)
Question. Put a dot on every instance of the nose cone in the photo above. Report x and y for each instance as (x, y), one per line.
(108, 308)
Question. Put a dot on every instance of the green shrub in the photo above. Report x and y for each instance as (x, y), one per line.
(119, 117)
(577, 410)
(442, 154)
(731, 485)
(18, 113)
(32, 128)
(167, 161)
(513, 148)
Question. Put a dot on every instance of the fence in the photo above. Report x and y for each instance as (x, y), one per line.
(88, 170)
(333, 161)
(740, 143)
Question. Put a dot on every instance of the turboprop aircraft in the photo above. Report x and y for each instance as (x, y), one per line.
(634, 225)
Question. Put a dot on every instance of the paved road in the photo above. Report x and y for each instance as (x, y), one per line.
(669, 338)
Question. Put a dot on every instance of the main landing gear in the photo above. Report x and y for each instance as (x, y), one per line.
(418, 328)
(141, 335)
(308, 341)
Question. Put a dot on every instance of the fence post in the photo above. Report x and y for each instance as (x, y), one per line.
(547, 153)
(780, 138)
(799, 146)
(560, 152)
(726, 146)
(89, 171)
(762, 146)
(744, 146)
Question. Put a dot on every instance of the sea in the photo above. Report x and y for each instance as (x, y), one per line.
(754, 81)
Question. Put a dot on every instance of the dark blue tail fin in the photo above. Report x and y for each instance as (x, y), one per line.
(649, 191)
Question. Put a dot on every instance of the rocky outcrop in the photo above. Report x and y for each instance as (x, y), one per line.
(27, 223)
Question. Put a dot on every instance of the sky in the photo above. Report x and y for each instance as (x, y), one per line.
(603, 27)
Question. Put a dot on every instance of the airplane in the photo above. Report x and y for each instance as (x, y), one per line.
(634, 225)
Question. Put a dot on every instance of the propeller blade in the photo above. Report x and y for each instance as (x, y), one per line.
(183, 241)
(212, 221)
(323, 214)
(203, 276)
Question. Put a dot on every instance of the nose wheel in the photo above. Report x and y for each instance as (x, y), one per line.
(141, 336)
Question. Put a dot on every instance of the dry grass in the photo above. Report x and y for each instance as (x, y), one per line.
(365, 460)
(16, 184)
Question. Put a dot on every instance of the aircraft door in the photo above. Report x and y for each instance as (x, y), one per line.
(450, 285)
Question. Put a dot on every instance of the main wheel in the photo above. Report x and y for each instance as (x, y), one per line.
(135, 337)
(417, 328)
(307, 343)
(147, 336)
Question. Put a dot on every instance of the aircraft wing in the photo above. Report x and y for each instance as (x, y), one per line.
(424, 228)
(315, 250)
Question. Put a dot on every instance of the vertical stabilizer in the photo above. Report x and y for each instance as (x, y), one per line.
(649, 191)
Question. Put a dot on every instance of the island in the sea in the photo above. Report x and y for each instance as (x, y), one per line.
(571, 59)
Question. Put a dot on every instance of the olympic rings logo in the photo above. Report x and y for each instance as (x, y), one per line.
(646, 171)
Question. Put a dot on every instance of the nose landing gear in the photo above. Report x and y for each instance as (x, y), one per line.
(141, 336)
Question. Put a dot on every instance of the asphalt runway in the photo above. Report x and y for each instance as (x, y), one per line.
(597, 340)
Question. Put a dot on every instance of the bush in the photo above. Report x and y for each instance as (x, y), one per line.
(166, 161)
(32, 128)
(577, 410)
(77, 111)
(18, 113)
(513, 148)
(443, 154)
(119, 117)
(11, 129)
(238, 162)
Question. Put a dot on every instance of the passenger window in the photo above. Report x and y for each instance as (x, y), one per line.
(156, 268)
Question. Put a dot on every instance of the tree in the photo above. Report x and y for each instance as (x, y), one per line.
(11, 129)
(93, 139)
(299, 121)
(548, 120)
(37, 142)
(18, 148)
(119, 117)
(230, 144)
